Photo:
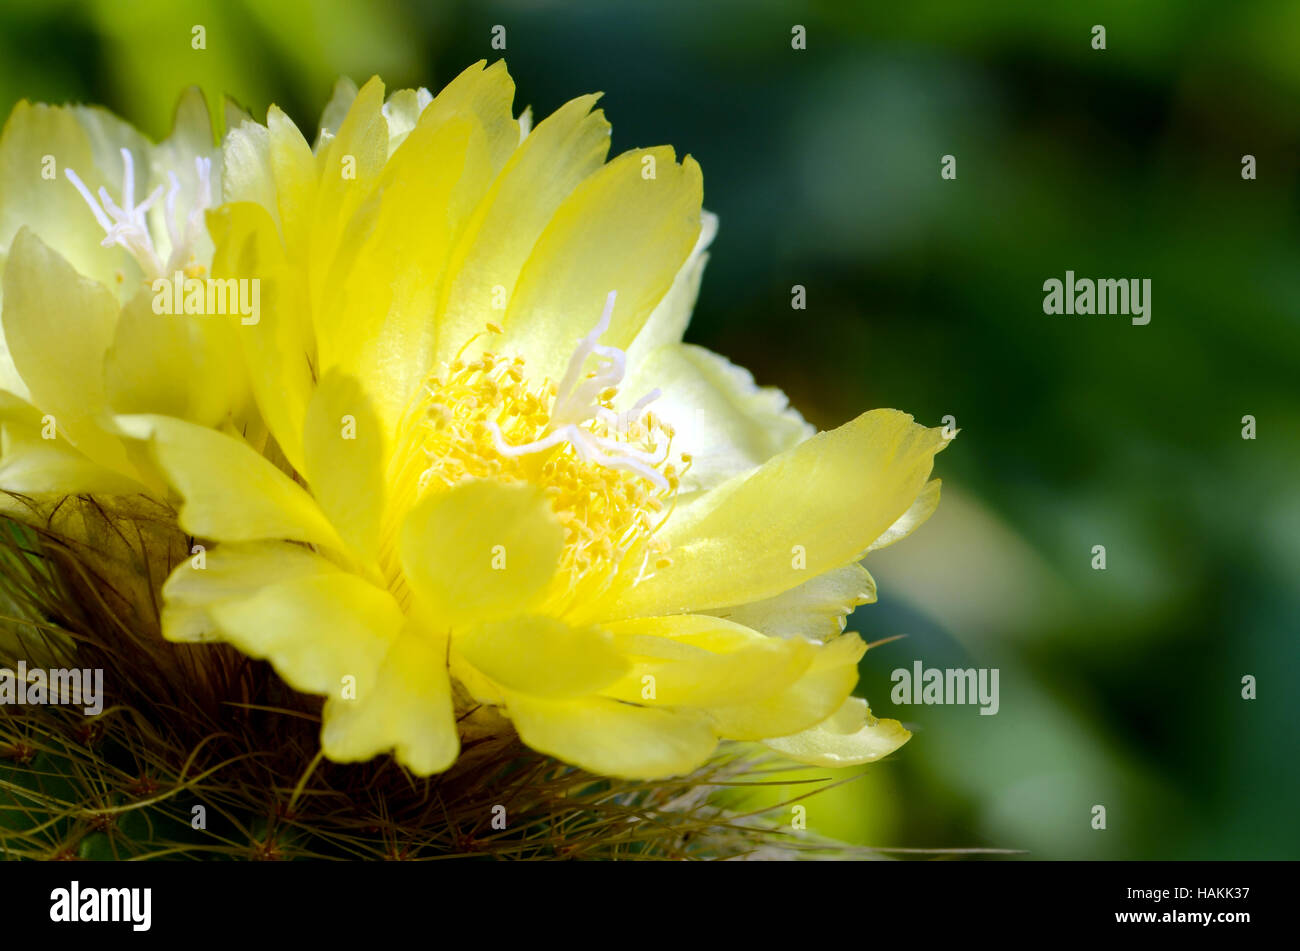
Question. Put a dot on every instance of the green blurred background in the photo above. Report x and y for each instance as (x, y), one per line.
(1119, 687)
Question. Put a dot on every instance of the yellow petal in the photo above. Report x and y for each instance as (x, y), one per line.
(348, 169)
(31, 464)
(293, 168)
(479, 687)
(701, 661)
(49, 469)
(373, 318)
(58, 326)
(278, 349)
(230, 572)
(562, 151)
(186, 366)
(822, 689)
(620, 230)
(344, 450)
(850, 737)
(316, 630)
(806, 511)
(481, 551)
(815, 609)
(542, 657)
(487, 95)
(407, 707)
(614, 739)
(668, 321)
(45, 468)
(231, 492)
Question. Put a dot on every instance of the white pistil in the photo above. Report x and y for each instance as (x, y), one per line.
(128, 225)
(578, 403)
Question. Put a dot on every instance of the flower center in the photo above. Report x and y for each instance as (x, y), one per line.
(128, 224)
(609, 475)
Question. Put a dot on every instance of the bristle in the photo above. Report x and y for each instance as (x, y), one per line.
(185, 727)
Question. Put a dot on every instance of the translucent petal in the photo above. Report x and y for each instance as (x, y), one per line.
(815, 609)
(246, 166)
(336, 110)
(698, 661)
(402, 110)
(913, 518)
(668, 321)
(373, 315)
(850, 737)
(817, 694)
(191, 137)
(719, 416)
(563, 150)
(488, 95)
(349, 167)
(806, 511)
(294, 171)
(618, 231)
(614, 739)
(37, 195)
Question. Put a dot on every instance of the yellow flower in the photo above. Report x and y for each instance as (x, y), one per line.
(497, 477)
(90, 214)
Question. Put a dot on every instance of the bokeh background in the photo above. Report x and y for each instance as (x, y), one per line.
(1120, 687)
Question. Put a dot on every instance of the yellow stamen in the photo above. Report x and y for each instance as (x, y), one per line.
(481, 418)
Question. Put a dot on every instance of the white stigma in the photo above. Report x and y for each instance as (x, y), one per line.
(577, 402)
(128, 225)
